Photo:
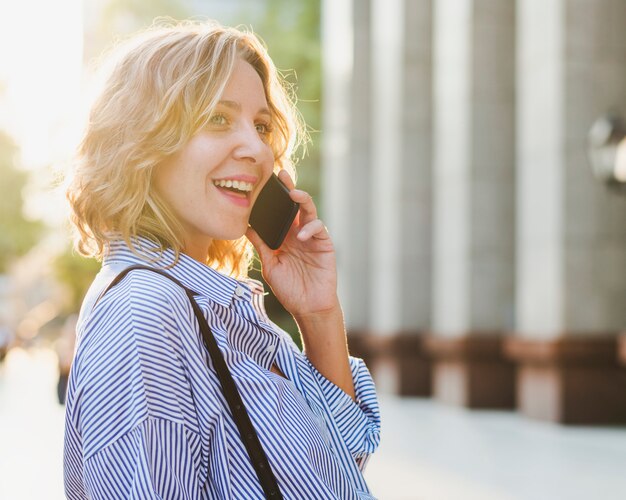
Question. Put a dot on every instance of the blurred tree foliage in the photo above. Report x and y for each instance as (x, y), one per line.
(118, 18)
(122, 15)
(77, 273)
(17, 233)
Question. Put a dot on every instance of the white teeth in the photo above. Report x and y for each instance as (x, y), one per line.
(240, 185)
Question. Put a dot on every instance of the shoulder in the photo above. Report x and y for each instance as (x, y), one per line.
(143, 292)
(143, 309)
(138, 349)
(132, 349)
(148, 285)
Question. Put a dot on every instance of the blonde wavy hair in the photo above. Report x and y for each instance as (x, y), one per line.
(162, 89)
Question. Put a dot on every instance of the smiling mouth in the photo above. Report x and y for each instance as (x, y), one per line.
(240, 188)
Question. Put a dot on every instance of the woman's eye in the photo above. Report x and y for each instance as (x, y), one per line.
(218, 120)
(263, 128)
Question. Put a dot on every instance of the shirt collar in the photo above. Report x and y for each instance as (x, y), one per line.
(198, 277)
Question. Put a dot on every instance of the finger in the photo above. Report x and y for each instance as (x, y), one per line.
(314, 229)
(284, 176)
(308, 210)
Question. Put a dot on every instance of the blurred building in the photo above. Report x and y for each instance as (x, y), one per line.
(481, 262)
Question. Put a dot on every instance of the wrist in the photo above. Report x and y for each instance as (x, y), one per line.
(320, 318)
(325, 345)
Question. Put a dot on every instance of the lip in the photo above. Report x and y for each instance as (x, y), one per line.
(236, 199)
(241, 201)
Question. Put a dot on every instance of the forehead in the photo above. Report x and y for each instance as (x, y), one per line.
(244, 86)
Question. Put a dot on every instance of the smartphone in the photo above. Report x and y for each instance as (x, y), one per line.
(273, 213)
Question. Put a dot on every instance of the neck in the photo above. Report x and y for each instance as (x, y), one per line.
(197, 250)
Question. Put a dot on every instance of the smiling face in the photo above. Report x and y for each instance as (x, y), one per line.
(212, 182)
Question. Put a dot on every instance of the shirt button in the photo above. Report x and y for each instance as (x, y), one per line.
(270, 348)
(239, 291)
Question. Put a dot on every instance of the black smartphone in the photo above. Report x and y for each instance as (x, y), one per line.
(273, 213)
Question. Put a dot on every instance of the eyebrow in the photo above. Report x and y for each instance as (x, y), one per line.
(237, 107)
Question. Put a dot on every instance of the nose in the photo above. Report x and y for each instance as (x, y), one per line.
(250, 145)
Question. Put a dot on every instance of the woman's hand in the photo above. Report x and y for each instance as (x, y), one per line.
(303, 276)
(302, 272)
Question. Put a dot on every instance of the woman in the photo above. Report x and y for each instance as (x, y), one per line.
(190, 124)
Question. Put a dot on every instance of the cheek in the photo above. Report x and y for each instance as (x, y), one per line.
(270, 163)
(162, 183)
(171, 185)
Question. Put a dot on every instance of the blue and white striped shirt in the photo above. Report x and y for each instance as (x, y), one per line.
(146, 417)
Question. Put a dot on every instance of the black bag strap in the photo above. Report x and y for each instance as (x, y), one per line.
(240, 414)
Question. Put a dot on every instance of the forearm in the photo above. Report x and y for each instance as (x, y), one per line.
(325, 345)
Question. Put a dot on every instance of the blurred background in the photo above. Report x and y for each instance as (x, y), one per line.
(468, 157)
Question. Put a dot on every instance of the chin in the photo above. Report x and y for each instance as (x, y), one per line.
(232, 234)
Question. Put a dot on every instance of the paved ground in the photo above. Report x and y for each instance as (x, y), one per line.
(434, 452)
(31, 427)
(429, 451)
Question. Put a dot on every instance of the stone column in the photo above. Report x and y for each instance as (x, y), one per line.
(415, 196)
(571, 244)
(347, 171)
(387, 73)
(337, 47)
(377, 179)
(474, 200)
(359, 182)
(398, 201)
